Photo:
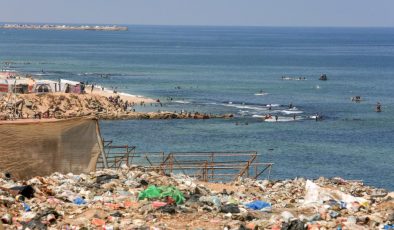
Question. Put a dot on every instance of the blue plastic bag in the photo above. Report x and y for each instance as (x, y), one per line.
(259, 205)
(26, 207)
(79, 201)
(388, 227)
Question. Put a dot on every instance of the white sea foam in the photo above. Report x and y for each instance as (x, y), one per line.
(239, 106)
(182, 102)
(273, 105)
(282, 119)
(291, 111)
(260, 94)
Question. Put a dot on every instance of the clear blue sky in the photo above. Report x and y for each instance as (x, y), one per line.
(366, 13)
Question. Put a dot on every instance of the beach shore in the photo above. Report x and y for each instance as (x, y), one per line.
(98, 104)
(123, 96)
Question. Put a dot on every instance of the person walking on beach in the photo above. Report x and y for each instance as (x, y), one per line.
(91, 91)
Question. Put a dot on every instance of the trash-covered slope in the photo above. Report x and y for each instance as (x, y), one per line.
(137, 198)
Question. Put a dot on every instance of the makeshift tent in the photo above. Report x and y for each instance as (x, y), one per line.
(53, 86)
(42, 88)
(45, 86)
(68, 86)
(4, 86)
(41, 147)
(20, 85)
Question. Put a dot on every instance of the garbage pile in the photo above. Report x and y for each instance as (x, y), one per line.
(139, 198)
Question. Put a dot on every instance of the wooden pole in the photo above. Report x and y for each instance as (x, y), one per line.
(101, 145)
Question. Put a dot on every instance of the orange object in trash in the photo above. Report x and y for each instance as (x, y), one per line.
(158, 204)
(98, 222)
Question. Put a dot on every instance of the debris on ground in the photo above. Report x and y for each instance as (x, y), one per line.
(140, 198)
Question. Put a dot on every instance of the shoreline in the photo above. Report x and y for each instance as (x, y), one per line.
(106, 106)
(89, 100)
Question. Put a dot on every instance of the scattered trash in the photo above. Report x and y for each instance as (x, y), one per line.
(26, 207)
(230, 208)
(167, 209)
(26, 191)
(79, 201)
(105, 178)
(259, 205)
(139, 198)
(163, 191)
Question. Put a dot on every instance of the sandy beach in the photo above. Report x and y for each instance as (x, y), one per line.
(123, 96)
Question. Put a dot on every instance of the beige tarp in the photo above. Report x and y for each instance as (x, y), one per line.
(40, 148)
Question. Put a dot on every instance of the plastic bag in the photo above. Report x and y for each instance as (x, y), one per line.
(160, 192)
(316, 194)
(259, 205)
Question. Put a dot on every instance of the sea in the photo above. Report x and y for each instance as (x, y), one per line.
(246, 71)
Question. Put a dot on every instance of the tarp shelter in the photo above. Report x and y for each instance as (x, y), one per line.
(20, 85)
(4, 87)
(45, 86)
(68, 86)
(41, 147)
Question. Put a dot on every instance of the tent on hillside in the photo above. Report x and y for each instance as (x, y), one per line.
(68, 86)
(46, 86)
(4, 87)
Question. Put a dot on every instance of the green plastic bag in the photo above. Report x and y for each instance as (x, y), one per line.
(172, 192)
(160, 192)
(151, 192)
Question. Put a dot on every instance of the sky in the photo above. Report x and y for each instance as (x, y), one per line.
(352, 13)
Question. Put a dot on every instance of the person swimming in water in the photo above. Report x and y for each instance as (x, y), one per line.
(378, 107)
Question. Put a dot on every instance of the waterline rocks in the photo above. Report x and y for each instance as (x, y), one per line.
(65, 105)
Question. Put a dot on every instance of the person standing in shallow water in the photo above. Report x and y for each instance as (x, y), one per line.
(276, 117)
(378, 107)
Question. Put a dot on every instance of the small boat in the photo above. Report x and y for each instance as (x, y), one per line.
(316, 117)
(261, 93)
(287, 78)
(356, 98)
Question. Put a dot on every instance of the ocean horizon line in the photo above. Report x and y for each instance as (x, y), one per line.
(201, 25)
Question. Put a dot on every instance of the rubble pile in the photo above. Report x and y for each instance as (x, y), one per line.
(62, 105)
(58, 105)
(140, 198)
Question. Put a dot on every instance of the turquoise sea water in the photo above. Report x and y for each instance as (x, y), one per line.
(219, 70)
